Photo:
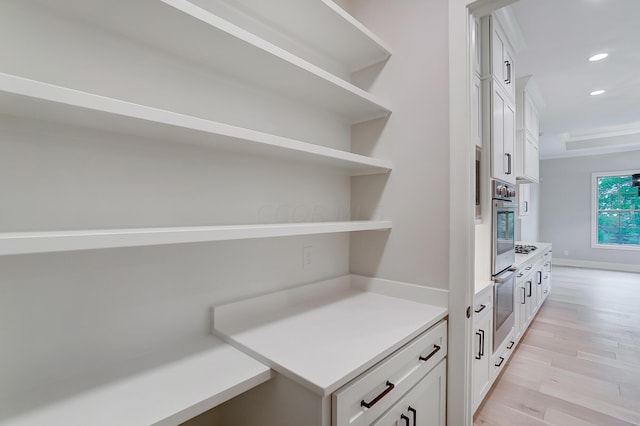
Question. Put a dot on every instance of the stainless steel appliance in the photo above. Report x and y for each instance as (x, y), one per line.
(503, 257)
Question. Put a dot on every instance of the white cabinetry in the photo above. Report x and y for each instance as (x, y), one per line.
(499, 57)
(476, 111)
(482, 346)
(524, 199)
(424, 405)
(527, 130)
(500, 112)
(502, 131)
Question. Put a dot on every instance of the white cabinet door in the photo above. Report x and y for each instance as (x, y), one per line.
(524, 199)
(476, 45)
(476, 111)
(503, 135)
(482, 325)
(423, 405)
(527, 158)
(502, 59)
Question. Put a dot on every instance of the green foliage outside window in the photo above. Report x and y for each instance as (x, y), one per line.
(618, 211)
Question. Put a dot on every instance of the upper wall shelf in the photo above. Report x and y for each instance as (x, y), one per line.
(55, 241)
(169, 393)
(330, 30)
(185, 30)
(33, 99)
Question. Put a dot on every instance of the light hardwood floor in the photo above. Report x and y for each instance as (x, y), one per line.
(579, 363)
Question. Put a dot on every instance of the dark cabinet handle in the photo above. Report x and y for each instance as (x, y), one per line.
(479, 355)
(511, 344)
(524, 293)
(500, 363)
(415, 415)
(482, 343)
(405, 418)
(526, 207)
(436, 348)
(480, 309)
(508, 172)
(529, 282)
(375, 400)
(539, 277)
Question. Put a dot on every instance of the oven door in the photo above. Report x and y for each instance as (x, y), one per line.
(504, 251)
(503, 315)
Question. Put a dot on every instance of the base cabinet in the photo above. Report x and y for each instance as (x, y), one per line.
(482, 344)
(424, 405)
(483, 338)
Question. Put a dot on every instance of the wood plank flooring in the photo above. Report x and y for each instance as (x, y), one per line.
(579, 363)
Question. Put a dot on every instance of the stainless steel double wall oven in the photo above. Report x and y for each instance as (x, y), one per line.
(503, 258)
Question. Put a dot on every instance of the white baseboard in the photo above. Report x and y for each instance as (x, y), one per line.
(578, 263)
(418, 293)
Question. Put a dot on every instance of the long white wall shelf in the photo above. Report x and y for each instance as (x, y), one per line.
(33, 99)
(166, 395)
(188, 31)
(54, 241)
(347, 40)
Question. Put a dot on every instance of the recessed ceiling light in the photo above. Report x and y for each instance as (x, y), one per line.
(598, 57)
(596, 92)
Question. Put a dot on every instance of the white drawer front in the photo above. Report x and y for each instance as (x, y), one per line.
(363, 400)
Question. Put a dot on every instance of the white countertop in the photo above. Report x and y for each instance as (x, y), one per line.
(481, 285)
(521, 259)
(323, 335)
(164, 392)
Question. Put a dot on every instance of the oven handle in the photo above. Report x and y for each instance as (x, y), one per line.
(505, 276)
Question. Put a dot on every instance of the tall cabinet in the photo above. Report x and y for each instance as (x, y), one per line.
(527, 130)
(498, 66)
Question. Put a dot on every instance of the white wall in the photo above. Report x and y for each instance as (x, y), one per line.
(416, 138)
(565, 200)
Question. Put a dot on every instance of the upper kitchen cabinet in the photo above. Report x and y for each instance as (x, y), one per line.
(498, 55)
(528, 102)
(501, 128)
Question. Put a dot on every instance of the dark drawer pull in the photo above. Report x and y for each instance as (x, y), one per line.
(405, 418)
(511, 344)
(428, 357)
(500, 363)
(375, 400)
(480, 309)
(415, 415)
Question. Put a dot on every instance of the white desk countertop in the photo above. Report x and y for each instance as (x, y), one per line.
(165, 392)
(323, 335)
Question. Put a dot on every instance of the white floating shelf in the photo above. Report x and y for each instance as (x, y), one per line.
(168, 394)
(324, 26)
(54, 241)
(33, 99)
(185, 30)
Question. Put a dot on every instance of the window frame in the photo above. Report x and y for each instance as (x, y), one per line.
(594, 212)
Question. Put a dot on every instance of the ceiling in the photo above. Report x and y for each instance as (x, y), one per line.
(558, 37)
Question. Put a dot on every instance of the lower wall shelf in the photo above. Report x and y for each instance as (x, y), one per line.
(166, 395)
(54, 241)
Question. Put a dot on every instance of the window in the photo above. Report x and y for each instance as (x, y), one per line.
(616, 219)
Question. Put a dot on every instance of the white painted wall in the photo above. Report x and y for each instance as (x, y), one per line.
(565, 200)
(416, 138)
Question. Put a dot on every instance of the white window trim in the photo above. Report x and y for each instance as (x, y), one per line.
(594, 211)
